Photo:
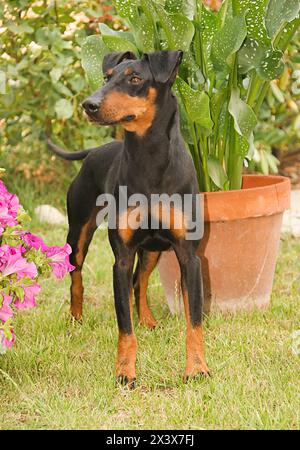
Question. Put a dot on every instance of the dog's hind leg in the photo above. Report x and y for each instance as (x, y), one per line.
(82, 214)
(146, 263)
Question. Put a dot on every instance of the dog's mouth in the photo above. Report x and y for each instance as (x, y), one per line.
(102, 121)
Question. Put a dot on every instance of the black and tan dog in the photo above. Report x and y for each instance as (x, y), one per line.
(151, 159)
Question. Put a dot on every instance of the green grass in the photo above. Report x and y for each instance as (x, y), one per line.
(61, 376)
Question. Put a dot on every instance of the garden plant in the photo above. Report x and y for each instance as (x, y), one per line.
(230, 58)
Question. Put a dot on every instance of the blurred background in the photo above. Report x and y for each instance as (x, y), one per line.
(42, 85)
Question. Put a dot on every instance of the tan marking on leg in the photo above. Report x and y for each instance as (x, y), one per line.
(76, 277)
(126, 356)
(76, 294)
(195, 358)
(145, 315)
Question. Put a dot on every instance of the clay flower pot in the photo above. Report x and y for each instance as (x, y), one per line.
(239, 247)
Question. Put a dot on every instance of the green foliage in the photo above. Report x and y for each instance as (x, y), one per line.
(278, 130)
(230, 58)
(42, 83)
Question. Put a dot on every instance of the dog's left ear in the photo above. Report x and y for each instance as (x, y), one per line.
(111, 60)
(164, 65)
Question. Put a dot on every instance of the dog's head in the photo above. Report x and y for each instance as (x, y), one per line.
(132, 87)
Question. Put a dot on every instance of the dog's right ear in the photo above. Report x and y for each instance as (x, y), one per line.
(111, 60)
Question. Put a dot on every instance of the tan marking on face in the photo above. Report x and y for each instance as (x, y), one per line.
(128, 71)
(109, 72)
(117, 105)
(195, 357)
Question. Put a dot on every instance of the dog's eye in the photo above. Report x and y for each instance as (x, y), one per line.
(135, 80)
(106, 78)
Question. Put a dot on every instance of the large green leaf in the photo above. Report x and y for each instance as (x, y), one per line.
(271, 66)
(257, 51)
(280, 12)
(127, 8)
(244, 118)
(144, 29)
(216, 172)
(227, 41)
(117, 44)
(178, 29)
(208, 28)
(107, 31)
(196, 104)
(186, 7)
(92, 54)
(267, 61)
(117, 41)
(255, 19)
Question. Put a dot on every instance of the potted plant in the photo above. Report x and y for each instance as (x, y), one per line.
(230, 58)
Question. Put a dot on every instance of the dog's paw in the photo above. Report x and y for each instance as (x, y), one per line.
(124, 380)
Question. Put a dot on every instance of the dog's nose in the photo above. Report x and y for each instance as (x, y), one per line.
(90, 106)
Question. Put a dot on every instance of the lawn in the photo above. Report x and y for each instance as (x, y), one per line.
(60, 375)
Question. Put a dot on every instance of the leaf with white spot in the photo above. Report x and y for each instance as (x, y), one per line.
(144, 29)
(196, 104)
(127, 8)
(216, 172)
(92, 54)
(186, 7)
(244, 118)
(117, 41)
(117, 44)
(280, 12)
(267, 61)
(255, 19)
(227, 41)
(178, 29)
(271, 66)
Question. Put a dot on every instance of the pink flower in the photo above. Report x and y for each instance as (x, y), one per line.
(5, 342)
(31, 240)
(59, 260)
(30, 291)
(5, 310)
(9, 206)
(12, 261)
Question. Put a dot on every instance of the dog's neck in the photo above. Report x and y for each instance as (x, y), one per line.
(157, 137)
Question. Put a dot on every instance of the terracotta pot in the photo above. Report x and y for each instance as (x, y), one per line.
(239, 247)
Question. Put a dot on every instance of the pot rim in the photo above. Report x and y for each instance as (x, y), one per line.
(270, 196)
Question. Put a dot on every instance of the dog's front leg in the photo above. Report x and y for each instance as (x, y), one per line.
(192, 291)
(127, 344)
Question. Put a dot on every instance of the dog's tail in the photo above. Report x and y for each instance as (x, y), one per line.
(71, 156)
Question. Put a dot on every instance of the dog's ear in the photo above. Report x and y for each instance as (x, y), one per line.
(113, 59)
(164, 65)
